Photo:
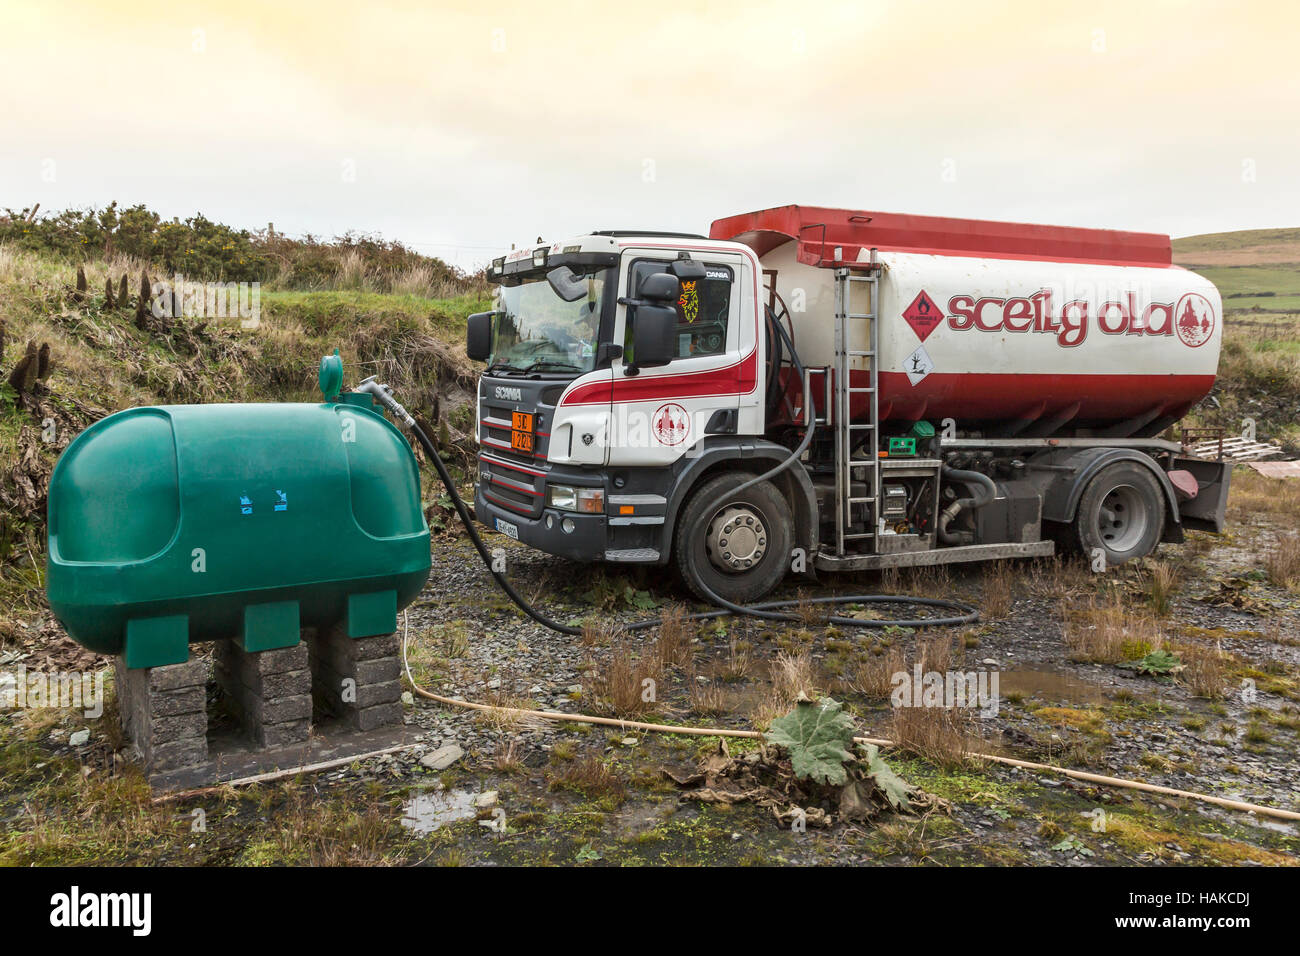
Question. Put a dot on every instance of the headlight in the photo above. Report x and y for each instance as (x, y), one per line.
(584, 500)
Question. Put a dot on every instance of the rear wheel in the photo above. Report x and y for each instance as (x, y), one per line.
(736, 545)
(1122, 511)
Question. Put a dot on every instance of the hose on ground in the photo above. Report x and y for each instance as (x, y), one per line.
(770, 610)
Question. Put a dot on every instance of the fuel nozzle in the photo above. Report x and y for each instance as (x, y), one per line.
(384, 394)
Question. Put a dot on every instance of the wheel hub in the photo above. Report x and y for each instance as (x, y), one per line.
(1122, 519)
(736, 539)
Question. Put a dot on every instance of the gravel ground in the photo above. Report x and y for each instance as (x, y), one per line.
(488, 789)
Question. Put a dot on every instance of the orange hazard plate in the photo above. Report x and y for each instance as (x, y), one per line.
(521, 441)
(521, 421)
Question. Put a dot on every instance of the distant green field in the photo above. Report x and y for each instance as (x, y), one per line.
(1243, 239)
(1244, 287)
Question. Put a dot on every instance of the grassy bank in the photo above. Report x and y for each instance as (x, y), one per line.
(103, 359)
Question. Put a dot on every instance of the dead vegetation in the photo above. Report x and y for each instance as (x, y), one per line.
(945, 735)
(591, 776)
(1282, 562)
(874, 675)
(625, 685)
(998, 591)
(1106, 631)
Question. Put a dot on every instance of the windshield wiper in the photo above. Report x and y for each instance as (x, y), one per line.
(543, 364)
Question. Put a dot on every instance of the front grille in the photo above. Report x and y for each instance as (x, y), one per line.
(510, 485)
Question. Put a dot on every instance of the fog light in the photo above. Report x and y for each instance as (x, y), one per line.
(568, 524)
(550, 522)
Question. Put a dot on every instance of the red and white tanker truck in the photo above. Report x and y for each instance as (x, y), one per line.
(976, 390)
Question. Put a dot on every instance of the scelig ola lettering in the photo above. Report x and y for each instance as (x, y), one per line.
(1070, 324)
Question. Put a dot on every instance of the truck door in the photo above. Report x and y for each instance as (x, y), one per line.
(658, 414)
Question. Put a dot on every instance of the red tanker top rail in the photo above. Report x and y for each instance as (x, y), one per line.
(819, 231)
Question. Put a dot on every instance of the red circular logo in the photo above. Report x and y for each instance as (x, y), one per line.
(1194, 319)
(671, 424)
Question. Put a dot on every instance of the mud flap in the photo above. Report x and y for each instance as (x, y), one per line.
(1205, 512)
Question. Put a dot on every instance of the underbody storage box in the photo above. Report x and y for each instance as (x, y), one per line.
(186, 523)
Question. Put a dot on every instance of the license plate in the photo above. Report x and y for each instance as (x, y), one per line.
(521, 441)
(507, 528)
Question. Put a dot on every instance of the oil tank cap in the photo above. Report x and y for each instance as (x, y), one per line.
(331, 376)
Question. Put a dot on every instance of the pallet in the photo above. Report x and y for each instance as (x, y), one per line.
(1234, 449)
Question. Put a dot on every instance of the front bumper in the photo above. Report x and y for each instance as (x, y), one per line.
(586, 542)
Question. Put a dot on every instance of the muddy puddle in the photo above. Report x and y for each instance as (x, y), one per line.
(1050, 685)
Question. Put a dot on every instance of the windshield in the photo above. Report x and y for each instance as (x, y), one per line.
(536, 330)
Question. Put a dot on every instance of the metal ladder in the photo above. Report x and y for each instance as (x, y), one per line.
(849, 346)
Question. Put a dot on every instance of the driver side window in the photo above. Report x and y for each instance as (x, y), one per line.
(702, 308)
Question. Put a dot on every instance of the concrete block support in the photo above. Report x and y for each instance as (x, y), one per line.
(269, 691)
(164, 713)
(357, 679)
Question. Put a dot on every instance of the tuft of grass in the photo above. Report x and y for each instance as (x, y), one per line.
(1203, 670)
(873, 676)
(1282, 562)
(999, 582)
(792, 677)
(1161, 584)
(1105, 631)
(944, 736)
(707, 700)
(625, 686)
(591, 777)
(674, 644)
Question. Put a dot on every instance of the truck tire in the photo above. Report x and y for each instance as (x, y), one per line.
(1121, 511)
(739, 547)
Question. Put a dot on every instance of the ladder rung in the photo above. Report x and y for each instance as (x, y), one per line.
(864, 534)
(861, 390)
(863, 353)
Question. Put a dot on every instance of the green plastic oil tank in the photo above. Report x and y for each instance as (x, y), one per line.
(186, 523)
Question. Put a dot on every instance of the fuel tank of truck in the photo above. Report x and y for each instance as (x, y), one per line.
(984, 322)
(186, 523)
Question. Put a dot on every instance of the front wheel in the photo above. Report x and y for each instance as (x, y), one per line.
(738, 546)
(1122, 511)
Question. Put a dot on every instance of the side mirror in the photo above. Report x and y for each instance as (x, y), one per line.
(566, 284)
(478, 336)
(654, 334)
(660, 287)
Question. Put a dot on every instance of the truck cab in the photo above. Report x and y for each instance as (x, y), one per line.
(625, 369)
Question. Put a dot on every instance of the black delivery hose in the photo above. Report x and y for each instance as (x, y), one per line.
(767, 610)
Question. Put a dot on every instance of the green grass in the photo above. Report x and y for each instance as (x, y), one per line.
(1241, 239)
(101, 360)
(1242, 287)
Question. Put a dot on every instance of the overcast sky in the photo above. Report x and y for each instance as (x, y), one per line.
(460, 128)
